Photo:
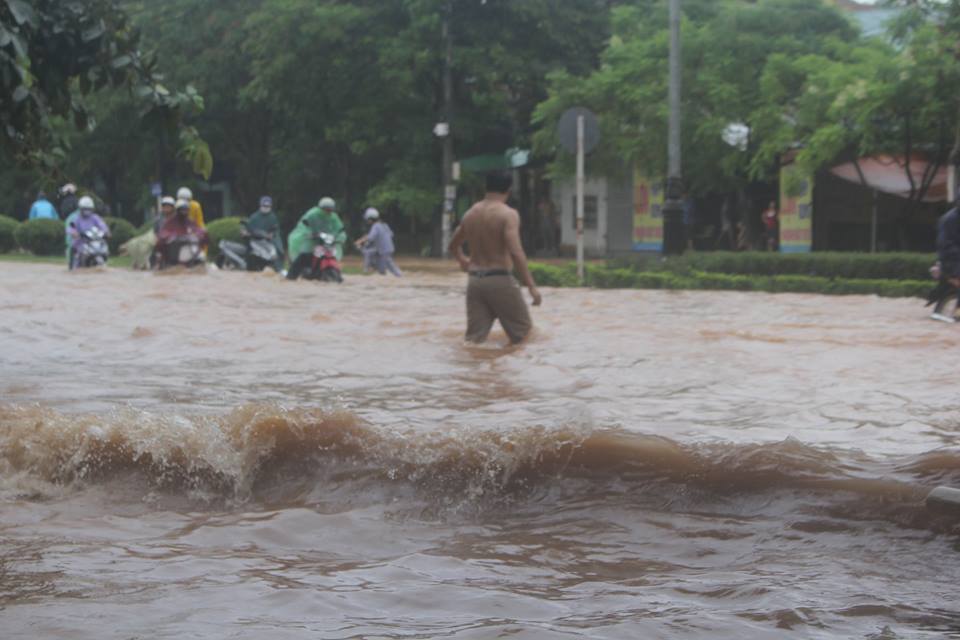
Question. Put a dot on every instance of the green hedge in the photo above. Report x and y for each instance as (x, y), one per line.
(223, 229)
(874, 266)
(8, 230)
(120, 231)
(605, 277)
(42, 237)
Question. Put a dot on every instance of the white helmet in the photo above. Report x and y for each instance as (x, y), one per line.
(68, 188)
(86, 202)
(184, 193)
(327, 203)
(183, 204)
(167, 200)
(371, 214)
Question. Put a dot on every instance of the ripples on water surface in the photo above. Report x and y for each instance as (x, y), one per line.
(232, 455)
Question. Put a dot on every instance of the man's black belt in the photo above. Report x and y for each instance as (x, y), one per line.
(489, 273)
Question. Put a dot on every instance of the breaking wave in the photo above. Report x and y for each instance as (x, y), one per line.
(266, 452)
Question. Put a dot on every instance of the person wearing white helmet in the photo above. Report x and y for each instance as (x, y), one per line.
(265, 221)
(86, 220)
(196, 211)
(68, 199)
(176, 227)
(377, 246)
(322, 218)
(167, 207)
(68, 223)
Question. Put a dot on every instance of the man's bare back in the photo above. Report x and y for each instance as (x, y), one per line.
(491, 229)
(485, 229)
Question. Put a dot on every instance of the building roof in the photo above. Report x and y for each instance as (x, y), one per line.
(889, 175)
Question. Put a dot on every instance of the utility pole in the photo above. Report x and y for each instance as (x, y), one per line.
(580, 184)
(449, 188)
(674, 231)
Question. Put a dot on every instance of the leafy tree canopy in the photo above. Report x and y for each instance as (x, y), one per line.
(54, 53)
(305, 97)
(727, 45)
(864, 99)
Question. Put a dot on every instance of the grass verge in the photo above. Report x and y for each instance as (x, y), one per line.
(614, 277)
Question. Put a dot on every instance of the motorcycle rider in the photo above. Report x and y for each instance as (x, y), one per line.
(320, 219)
(167, 209)
(86, 220)
(177, 226)
(265, 221)
(196, 211)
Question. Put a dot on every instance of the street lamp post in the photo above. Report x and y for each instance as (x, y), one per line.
(674, 232)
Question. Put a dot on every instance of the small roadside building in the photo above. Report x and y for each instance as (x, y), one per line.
(877, 204)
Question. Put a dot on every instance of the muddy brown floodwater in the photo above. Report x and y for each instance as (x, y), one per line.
(235, 456)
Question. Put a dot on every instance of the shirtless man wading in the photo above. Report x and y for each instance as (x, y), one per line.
(492, 231)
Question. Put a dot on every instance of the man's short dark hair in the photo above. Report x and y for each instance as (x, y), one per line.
(499, 181)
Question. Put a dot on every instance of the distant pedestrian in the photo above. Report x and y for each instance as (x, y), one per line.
(42, 209)
(771, 226)
(377, 246)
(727, 239)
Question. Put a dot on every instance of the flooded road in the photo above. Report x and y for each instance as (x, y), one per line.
(233, 455)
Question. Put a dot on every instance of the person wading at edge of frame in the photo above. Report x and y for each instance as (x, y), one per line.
(948, 265)
(492, 231)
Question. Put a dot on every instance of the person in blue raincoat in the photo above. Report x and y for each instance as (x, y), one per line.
(42, 209)
(300, 243)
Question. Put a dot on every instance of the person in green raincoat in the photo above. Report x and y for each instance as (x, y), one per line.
(265, 221)
(320, 219)
(67, 224)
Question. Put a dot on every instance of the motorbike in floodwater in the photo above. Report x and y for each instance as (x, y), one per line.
(184, 250)
(255, 254)
(324, 267)
(92, 250)
(320, 263)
